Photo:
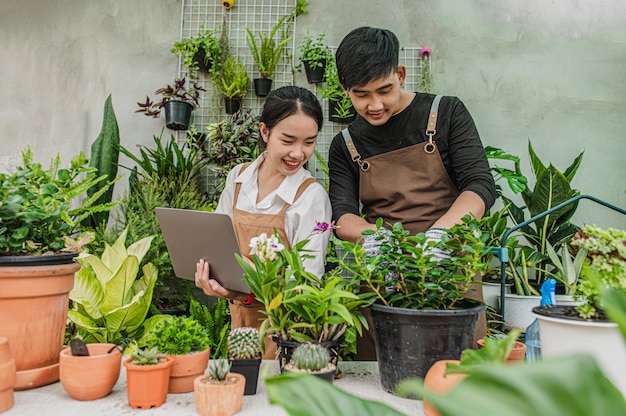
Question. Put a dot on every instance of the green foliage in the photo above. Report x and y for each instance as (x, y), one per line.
(403, 276)
(314, 51)
(426, 78)
(219, 369)
(188, 48)
(244, 344)
(516, 182)
(495, 351)
(104, 157)
(310, 356)
(109, 300)
(36, 205)
(232, 141)
(333, 91)
(604, 266)
(268, 52)
(216, 320)
(147, 356)
(566, 269)
(177, 91)
(177, 335)
(230, 78)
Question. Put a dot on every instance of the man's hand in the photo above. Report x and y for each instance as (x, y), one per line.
(373, 242)
(433, 238)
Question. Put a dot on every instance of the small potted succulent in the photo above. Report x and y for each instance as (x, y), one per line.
(313, 359)
(314, 55)
(187, 341)
(199, 52)
(178, 100)
(147, 378)
(220, 392)
(244, 354)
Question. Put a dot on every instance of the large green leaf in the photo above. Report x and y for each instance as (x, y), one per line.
(304, 395)
(118, 288)
(570, 386)
(88, 292)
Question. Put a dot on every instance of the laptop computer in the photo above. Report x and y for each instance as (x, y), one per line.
(193, 235)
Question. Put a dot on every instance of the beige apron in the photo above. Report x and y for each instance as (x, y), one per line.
(247, 226)
(422, 192)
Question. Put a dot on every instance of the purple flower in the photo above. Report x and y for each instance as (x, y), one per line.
(321, 227)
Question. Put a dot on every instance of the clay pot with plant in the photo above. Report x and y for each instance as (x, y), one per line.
(220, 392)
(244, 354)
(147, 378)
(40, 236)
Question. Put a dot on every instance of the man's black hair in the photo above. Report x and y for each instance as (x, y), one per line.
(366, 54)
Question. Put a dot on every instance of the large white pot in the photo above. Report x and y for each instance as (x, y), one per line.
(518, 310)
(602, 340)
(492, 292)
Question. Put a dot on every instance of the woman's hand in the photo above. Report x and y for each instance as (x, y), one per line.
(211, 287)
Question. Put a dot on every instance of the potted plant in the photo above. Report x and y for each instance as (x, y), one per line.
(244, 354)
(231, 80)
(216, 320)
(314, 55)
(267, 54)
(418, 301)
(91, 372)
(312, 359)
(220, 392)
(7, 376)
(340, 108)
(185, 340)
(301, 307)
(41, 233)
(147, 377)
(585, 328)
(198, 52)
(178, 101)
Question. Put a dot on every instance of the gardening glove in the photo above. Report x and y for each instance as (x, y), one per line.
(435, 253)
(372, 244)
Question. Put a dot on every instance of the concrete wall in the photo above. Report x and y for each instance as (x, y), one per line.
(549, 72)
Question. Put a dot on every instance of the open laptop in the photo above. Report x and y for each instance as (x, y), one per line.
(193, 235)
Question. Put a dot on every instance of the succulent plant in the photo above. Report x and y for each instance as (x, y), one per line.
(147, 356)
(219, 369)
(309, 356)
(244, 343)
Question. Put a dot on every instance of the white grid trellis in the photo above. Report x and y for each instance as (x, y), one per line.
(261, 15)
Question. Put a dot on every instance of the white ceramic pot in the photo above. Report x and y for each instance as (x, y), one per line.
(518, 310)
(492, 292)
(602, 340)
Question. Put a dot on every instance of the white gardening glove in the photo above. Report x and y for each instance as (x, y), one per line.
(437, 254)
(372, 244)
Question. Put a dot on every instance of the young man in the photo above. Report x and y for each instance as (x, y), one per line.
(393, 162)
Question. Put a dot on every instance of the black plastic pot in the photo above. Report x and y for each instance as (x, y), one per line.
(39, 260)
(333, 110)
(199, 58)
(177, 114)
(410, 341)
(262, 86)
(314, 75)
(250, 370)
(232, 105)
(284, 350)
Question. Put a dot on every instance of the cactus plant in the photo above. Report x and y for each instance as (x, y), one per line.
(219, 369)
(147, 356)
(310, 357)
(244, 344)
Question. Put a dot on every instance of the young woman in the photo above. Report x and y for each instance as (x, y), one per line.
(275, 192)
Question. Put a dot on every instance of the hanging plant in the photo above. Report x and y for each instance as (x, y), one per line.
(426, 79)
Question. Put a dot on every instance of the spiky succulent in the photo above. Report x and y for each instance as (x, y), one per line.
(147, 356)
(219, 369)
(244, 343)
(309, 356)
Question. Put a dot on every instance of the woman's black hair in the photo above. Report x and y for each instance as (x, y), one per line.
(366, 54)
(286, 101)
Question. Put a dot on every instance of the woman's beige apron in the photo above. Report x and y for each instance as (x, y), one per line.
(410, 186)
(247, 226)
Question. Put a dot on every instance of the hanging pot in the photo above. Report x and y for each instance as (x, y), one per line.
(410, 341)
(33, 311)
(200, 59)
(262, 86)
(314, 75)
(232, 105)
(333, 111)
(250, 370)
(177, 114)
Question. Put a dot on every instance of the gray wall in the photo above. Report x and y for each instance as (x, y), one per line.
(550, 72)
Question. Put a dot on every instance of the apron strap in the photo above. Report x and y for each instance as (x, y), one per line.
(356, 157)
(431, 128)
(238, 184)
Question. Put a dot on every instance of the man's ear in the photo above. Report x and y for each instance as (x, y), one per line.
(402, 73)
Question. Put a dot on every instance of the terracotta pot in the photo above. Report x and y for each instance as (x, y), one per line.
(219, 399)
(185, 369)
(33, 312)
(517, 354)
(7, 376)
(146, 385)
(90, 377)
(437, 382)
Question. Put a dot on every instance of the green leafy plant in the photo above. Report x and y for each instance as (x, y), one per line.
(244, 343)
(495, 351)
(176, 91)
(230, 78)
(232, 141)
(219, 369)
(309, 357)
(205, 45)
(216, 320)
(268, 52)
(37, 212)
(110, 300)
(567, 268)
(314, 52)
(177, 335)
(300, 306)
(333, 91)
(405, 276)
(147, 356)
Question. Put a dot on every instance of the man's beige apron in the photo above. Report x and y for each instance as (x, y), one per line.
(410, 186)
(247, 226)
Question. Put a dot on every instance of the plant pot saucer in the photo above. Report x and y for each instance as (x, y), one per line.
(36, 377)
